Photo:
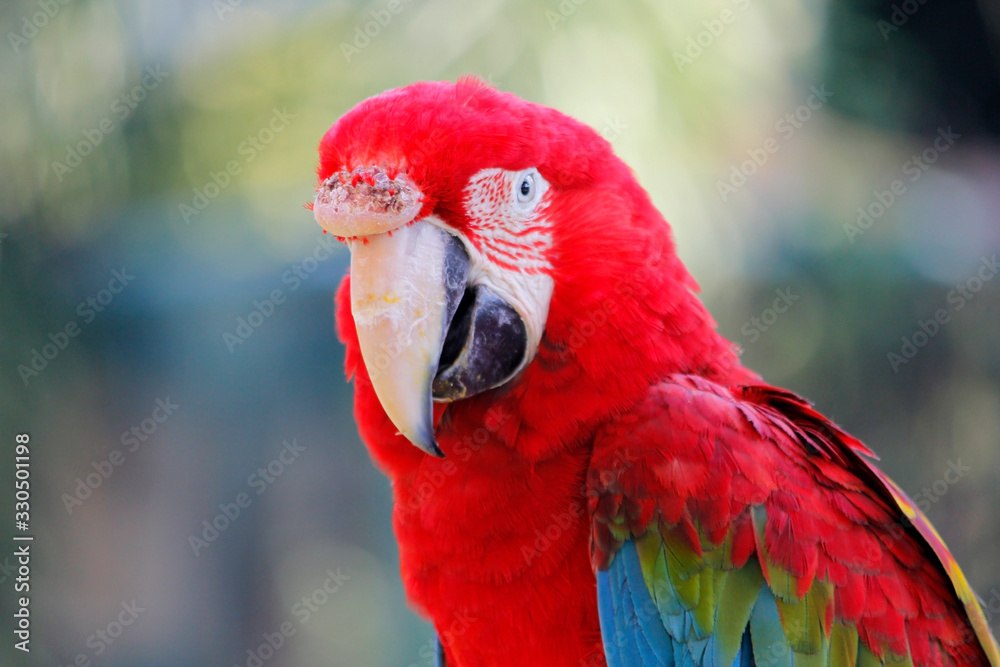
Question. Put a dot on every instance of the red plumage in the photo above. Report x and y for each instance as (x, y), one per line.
(634, 406)
(805, 472)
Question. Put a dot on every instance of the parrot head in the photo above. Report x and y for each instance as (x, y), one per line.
(493, 241)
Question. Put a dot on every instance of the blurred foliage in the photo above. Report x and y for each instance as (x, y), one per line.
(686, 92)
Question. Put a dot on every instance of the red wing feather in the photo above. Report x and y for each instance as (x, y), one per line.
(703, 458)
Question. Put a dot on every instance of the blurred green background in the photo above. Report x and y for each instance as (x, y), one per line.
(791, 144)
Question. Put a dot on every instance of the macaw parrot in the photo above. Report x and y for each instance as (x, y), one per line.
(596, 479)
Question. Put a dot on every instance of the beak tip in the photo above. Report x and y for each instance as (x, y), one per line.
(425, 441)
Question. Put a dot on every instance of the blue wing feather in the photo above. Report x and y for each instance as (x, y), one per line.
(439, 659)
(611, 622)
(637, 633)
(770, 646)
(630, 623)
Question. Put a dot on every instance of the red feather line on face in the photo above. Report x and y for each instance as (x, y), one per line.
(511, 241)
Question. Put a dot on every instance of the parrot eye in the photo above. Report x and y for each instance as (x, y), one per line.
(527, 188)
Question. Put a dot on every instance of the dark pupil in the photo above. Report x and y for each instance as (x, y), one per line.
(526, 187)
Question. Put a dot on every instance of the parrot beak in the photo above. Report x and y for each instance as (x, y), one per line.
(406, 286)
(424, 332)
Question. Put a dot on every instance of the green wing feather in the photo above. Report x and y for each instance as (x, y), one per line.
(770, 565)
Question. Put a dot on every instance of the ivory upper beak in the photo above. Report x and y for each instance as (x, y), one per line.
(405, 288)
